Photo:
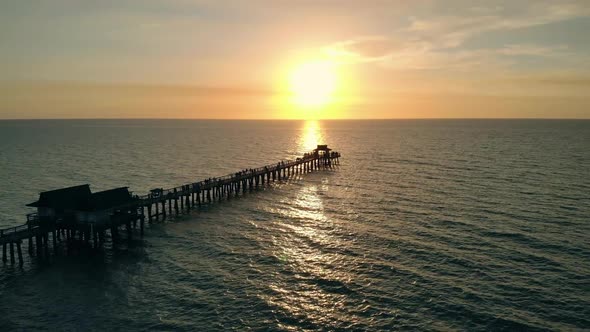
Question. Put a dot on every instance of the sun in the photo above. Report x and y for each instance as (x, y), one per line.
(312, 84)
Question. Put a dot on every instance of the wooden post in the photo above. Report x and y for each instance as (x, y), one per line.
(114, 233)
(39, 243)
(20, 253)
(128, 227)
(101, 236)
(54, 241)
(141, 222)
(149, 208)
(157, 211)
(175, 202)
(187, 198)
(181, 201)
(30, 239)
(4, 258)
(46, 244)
(94, 236)
(11, 253)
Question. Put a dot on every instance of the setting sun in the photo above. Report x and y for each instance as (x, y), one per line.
(313, 83)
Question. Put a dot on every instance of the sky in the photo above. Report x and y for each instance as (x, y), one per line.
(233, 59)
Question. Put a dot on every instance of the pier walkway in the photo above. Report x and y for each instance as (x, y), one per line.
(90, 228)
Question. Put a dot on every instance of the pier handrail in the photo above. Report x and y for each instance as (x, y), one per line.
(270, 168)
(13, 230)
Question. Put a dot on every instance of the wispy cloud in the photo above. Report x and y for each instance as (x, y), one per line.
(437, 42)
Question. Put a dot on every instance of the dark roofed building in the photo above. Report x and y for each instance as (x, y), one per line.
(109, 199)
(61, 203)
(322, 150)
(79, 204)
(71, 198)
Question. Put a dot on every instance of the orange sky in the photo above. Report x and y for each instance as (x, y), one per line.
(234, 60)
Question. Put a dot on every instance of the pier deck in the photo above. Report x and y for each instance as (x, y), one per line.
(157, 204)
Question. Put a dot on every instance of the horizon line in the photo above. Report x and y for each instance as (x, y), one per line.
(295, 119)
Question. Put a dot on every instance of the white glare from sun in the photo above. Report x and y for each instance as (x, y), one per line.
(312, 84)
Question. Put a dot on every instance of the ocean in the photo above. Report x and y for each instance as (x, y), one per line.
(426, 225)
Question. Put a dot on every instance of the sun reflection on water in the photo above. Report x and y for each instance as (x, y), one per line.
(314, 277)
(311, 136)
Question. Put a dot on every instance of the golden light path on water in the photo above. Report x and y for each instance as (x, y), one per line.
(305, 244)
(311, 136)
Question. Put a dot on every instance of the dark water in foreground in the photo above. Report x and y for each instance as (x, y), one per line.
(431, 225)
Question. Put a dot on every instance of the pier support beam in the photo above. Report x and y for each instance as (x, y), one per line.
(115, 233)
(46, 244)
(128, 227)
(39, 244)
(101, 237)
(54, 242)
(181, 202)
(187, 198)
(141, 224)
(20, 253)
(175, 202)
(11, 252)
(149, 209)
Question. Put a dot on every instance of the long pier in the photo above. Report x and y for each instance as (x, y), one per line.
(41, 230)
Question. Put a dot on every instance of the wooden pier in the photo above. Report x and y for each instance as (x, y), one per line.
(76, 216)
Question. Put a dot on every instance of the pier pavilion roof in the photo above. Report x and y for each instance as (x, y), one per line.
(322, 148)
(80, 198)
(71, 198)
(106, 199)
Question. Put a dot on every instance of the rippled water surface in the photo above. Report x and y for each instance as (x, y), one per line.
(431, 225)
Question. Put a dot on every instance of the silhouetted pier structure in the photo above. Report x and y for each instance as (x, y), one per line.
(76, 215)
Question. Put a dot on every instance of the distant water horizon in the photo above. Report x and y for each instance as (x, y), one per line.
(298, 119)
(427, 224)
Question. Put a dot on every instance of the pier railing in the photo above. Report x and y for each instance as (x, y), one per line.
(12, 230)
(34, 221)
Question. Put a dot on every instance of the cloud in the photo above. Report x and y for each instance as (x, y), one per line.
(451, 31)
(556, 79)
(435, 43)
(531, 49)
